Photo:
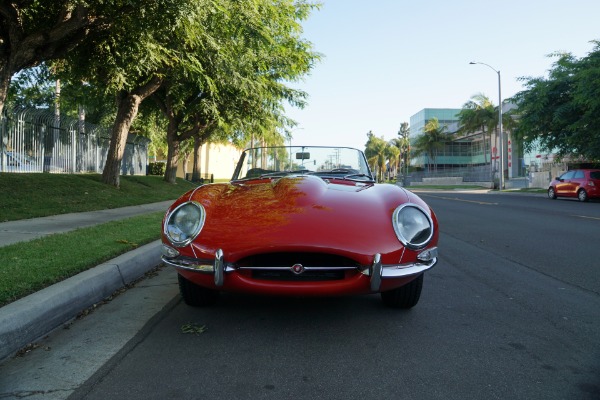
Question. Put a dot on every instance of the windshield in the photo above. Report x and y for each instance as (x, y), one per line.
(334, 162)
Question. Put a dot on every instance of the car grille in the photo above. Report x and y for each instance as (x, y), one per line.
(306, 276)
(317, 266)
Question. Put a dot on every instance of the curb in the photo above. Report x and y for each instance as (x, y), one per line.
(30, 318)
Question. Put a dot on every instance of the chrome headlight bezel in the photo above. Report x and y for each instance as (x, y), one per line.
(424, 221)
(173, 229)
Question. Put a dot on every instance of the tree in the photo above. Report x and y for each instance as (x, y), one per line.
(36, 87)
(432, 140)
(402, 142)
(32, 32)
(245, 59)
(393, 157)
(376, 153)
(479, 115)
(131, 61)
(151, 124)
(31, 88)
(199, 59)
(181, 125)
(560, 113)
(221, 63)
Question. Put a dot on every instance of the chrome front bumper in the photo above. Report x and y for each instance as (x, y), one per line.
(376, 271)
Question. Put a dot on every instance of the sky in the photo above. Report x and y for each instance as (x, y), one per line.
(385, 60)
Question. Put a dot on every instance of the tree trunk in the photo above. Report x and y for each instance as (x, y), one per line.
(173, 146)
(172, 159)
(4, 82)
(127, 111)
(127, 108)
(196, 169)
(484, 147)
(185, 159)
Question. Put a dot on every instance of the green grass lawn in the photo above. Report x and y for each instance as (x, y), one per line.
(38, 195)
(531, 190)
(447, 187)
(30, 266)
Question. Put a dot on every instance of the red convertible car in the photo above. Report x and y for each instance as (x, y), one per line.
(301, 221)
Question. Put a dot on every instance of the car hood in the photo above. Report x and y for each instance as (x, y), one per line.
(297, 213)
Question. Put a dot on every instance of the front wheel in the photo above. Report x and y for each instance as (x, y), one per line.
(194, 295)
(551, 193)
(404, 297)
(582, 195)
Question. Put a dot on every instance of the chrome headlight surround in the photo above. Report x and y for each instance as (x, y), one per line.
(184, 223)
(413, 225)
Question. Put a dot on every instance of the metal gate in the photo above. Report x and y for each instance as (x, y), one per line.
(35, 140)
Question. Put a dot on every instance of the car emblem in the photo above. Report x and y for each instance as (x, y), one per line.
(297, 269)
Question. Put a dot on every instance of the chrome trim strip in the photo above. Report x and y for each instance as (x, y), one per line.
(400, 270)
(199, 266)
(376, 272)
(288, 268)
(219, 268)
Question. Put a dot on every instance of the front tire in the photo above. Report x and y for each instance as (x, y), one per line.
(582, 195)
(194, 295)
(551, 193)
(404, 297)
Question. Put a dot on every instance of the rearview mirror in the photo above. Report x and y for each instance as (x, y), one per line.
(302, 156)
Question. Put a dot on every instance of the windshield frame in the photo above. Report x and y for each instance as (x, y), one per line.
(355, 170)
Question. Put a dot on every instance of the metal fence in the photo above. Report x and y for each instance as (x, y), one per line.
(35, 140)
(475, 173)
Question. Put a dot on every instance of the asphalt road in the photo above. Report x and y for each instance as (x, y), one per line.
(558, 238)
(511, 311)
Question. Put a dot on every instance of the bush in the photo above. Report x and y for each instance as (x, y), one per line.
(157, 168)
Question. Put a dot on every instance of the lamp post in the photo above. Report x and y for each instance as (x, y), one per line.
(501, 134)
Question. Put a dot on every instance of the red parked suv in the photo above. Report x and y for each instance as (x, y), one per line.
(581, 183)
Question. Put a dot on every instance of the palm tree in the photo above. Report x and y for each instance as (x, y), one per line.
(375, 151)
(402, 142)
(432, 140)
(393, 157)
(479, 114)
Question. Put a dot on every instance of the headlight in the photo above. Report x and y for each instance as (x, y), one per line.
(413, 226)
(184, 223)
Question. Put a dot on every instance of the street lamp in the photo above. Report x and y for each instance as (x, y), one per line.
(501, 135)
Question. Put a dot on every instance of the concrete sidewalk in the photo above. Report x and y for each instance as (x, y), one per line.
(29, 229)
(28, 319)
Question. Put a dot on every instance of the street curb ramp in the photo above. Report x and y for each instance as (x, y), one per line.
(28, 319)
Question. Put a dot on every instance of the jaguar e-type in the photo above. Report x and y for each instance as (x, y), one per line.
(301, 221)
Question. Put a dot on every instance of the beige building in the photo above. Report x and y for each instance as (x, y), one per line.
(216, 159)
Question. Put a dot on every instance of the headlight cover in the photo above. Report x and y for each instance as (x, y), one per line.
(413, 226)
(184, 223)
